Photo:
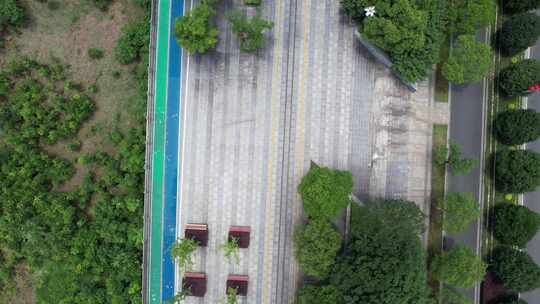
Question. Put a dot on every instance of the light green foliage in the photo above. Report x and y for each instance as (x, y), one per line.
(468, 16)
(383, 263)
(460, 267)
(231, 296)
(315, 247)
(133, 42)
(453, 158)
(460, 209)
(249, 30)
(515, 268)
(194, 31)
(182, 252)
(11, 14)
(470, 61)
(448, 295)
(325, 191)
(230, 251)
(324, 294)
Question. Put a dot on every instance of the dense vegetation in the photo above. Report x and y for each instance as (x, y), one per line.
(467, 16)
(451, 156)
(460, 267)
(250, 31)
(460, 209)
(519, 6)
(518, 33)
(514, 225)
(323, 294)
(516, 127)
(469, 62)
(515, 268)
(194, 30)
(517, 171)
(516, 79)
(11, 15)
(133, 42)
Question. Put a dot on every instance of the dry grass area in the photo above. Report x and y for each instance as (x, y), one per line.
(66, 33)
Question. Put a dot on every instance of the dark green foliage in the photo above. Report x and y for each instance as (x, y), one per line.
(517, 171)
(516, 79)
(449, 295)
(519, 6)
(133, 42)
(325, 294)
(315, 247)
(249, 30)
(515, 268)
(516, 127)
(514, 225)
(518, 33)
(512, 301)
(95, 53)
(325, 191)
(468, 16)
(101, 4)
(384, 262)
(194, 31)
(470, 61)
(460, 267)
(53, 5)
(11, 14)
(253, 2)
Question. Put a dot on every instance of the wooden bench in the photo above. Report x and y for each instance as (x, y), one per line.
(241, 234)
(194, 283)
(238, 282)
(197, 232)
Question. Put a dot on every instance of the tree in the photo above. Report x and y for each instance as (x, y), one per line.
(514, 225)
(452, 157)
(249, 30)
(133, 42)
(518, 33)
(383, 263)
(516, 269)
(325, 294)
(325, 191)
(516, 127)
(194, 31)
(467, 16)
(460, 209)
(517, 171)
(315, 247)
(11, 14)
(519, 6)
(460, 267)
(470, 61)
(515, 79)
(182, 251)
(451, 296)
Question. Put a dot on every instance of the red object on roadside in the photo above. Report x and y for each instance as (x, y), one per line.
(197, 232)
(195, 283)
(238, 282)
(241, 234)
(535, 87)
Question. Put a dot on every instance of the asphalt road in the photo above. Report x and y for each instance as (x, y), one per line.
(532, 199)
(466, 123)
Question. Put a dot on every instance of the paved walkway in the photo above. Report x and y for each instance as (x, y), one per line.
(253, 123)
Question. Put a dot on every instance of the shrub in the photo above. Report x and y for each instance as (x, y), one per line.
(514, 225)
(194, 31)
(515, 79)
(518, 33)
(325, 294)
(253, 2)
(460, 267)
(11, 14)
(470, 61)
(460, 210)
(249, 30)
(325, 191)
(516, 127)
(315, 247)
(95, 53)
(516, 269)
(520, 6)
(133, 42)
(517, 171)
(182, 252)
(101, 4)
(467, 16)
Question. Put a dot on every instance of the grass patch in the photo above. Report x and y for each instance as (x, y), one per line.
(441, 84)
(438, 181)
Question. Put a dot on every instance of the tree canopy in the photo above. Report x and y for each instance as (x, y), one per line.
(460, 209)
(469, 61)
(442, 155)
(518, 33)
(467, 16)
(516, 269)
(519, 6)
(384, 262)
(325, 191)
(515, 79)
(460, 267)
(517, 171)
(514, 225)
(516, 127)
(322, 294)
(194, 31)
(249, 30)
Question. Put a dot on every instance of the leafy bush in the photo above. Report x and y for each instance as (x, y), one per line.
(194, 32)
(133, 42)
(315, 247)
(516, 127)
(325, 294)
(514, 225)
(249, 30)
(182, 252)
(442, 155)
(519, 6)
(325, 191)
(516, 79)
(460, 209)
(11, 14)
(470, 61)
(384, 262)
(460, 267)
(253, 2)
(518, 33)
(517, 171)
(95, 53)
(467, 16)
(516, 269)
